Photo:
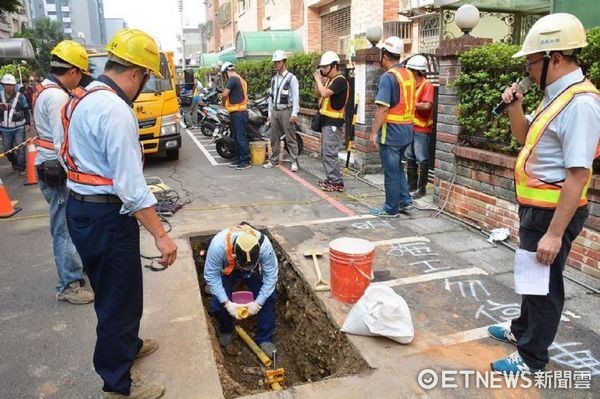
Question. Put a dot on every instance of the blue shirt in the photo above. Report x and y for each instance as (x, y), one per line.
(278, 83)
(216, 261)
(104, 141)
(48, 120)
(388, 95)
(570, 140)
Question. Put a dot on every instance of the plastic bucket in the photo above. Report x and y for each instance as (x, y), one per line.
(258, 152)
(242, 297)
(350, 267)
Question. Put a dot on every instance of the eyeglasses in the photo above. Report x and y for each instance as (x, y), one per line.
(528, 64)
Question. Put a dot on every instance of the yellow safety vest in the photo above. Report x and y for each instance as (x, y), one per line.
(403, 113)
(534, 192)
(240, 106)
(326, 108)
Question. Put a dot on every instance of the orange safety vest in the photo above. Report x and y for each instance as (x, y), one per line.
(73, 173)
(229, 246)
(534, 192)
(240, 106)
(39, 88)
(326, 108)
(419, 120)
(403, 113)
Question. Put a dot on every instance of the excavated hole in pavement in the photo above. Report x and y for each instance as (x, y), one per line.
(309, 346)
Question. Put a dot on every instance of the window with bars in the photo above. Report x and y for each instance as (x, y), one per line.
(335, 29)
(225, 14)
(429, 34)
(397, 28)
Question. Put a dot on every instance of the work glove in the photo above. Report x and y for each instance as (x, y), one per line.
(232, 309)
(253, 308)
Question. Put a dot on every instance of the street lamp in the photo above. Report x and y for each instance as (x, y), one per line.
(467, 18)
(374, 35)
(182, 37)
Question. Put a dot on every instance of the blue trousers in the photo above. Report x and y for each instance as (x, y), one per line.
(12, 137)
(109, 246)
(394, 179)
(418, 150)
(238, 126)
(265, 319)
(537, 325)
(68, 263)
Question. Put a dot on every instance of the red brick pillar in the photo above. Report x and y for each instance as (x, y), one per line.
(390, 10)
(314, 30)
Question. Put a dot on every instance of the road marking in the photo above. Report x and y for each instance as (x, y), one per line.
(331, 220)
(338, 205)
(401, 240)
(433, 276)
(204, 150)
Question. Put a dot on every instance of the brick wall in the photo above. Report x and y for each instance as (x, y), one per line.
(390, 10)
(313, 30)
(478, 186)
(297, 17)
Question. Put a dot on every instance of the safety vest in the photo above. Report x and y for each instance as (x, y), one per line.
(419, 120)
(229, 245)
(534, 192)
(403, 113)
(73, 173)
(241, 106)
(39, 88)
(326, 108)
(14, 114)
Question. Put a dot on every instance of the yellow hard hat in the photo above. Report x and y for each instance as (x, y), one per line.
(554, 32)
(135, 47)
(72, 53)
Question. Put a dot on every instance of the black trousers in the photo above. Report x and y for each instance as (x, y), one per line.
(109, 246)
(536, 327)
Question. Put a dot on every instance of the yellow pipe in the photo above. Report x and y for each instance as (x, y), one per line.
(242, 311)
(262, 356)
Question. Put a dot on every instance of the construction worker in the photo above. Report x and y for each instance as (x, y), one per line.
(552, 173)
(332, 89)
(243, 254)
(417, 153)
(103, 157)
(284, 105)
(68, 64)
(235, 101)
(392, 129)
(14, 121)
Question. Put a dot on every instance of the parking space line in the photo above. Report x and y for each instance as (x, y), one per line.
(331, 220)
(205, 150)
(432, 276)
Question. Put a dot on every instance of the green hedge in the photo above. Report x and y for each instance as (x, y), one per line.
(258, 75)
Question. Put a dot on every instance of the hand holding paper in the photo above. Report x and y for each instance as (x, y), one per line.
(531, 277)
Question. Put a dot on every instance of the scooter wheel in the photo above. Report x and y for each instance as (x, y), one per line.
(225, 147)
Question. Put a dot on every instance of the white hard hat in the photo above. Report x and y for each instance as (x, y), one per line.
(279, 55)
(554, 32)
(227, 66)
(393, 44)
(8, 79)
(328, 58)
(418, 63)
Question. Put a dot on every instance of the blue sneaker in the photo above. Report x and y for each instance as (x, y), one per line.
(502, 334)
(382, 213)
(513, 364)
(406, 207)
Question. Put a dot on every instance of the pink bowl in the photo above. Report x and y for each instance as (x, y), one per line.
(242, 297)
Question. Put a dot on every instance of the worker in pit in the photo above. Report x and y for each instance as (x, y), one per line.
(243, 255)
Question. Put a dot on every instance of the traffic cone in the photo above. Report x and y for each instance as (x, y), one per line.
(7, 207)
(30, 161)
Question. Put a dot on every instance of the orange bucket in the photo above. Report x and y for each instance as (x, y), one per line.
(350, 267)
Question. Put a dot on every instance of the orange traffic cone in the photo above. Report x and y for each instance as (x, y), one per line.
(30, 161)
(7, 207)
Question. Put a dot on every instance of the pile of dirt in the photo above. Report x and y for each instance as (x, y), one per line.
(309, 345)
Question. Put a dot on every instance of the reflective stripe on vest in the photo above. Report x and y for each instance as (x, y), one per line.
(73, 173)
(418, 120)
(241, 106)
(326, 108)
(403, 113)
(229, 246)
(534, 192)
(39, 89)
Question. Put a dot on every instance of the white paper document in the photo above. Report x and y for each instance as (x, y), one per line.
(531, 277)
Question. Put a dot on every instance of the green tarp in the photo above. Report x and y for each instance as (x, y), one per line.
(252, 45)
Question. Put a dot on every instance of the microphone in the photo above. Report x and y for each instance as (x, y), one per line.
(522, 87)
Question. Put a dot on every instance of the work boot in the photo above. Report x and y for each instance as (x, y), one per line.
(75, 294)
(225, 339)
(423, 178)
(268, 348)
(411, 174)
(139, 390)
(148, 347)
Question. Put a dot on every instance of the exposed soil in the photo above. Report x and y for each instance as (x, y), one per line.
(309, 345)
